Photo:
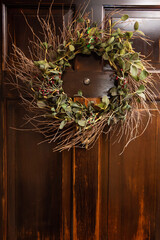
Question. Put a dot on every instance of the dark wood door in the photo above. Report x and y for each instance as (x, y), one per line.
(80, 195)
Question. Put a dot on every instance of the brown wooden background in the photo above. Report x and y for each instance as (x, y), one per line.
(78, 195)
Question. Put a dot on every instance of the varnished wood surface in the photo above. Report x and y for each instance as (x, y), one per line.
(34, 183)
(78, 194)
(133, 187)
(67, 201)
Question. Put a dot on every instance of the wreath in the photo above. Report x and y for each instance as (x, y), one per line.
(70, 122)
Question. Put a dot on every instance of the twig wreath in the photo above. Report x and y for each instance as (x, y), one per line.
(39, 80)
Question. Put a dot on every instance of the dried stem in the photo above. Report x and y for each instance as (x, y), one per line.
(24, 75)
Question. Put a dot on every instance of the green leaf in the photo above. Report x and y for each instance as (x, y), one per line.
(121, 92)
(115, 34)
(113, 91)
(80, 93)
(41, 104)
(74, 104)
(44, 44)
(71, 57)
(78, 115)
(64, 106)
(121, 63)
(43, 65)
(105, 100)
(136, 26)
(110, 40)
(134, 56)
(128, 45)
(78, 34)
(144, 74)
(53, 109)
(140, 89)
(127, 66)
(140, 32)
(124, 17)
(102, 105)
(67, 64)
(68, 109)
(92, 31)
(139, 65)
(126, 106)
(122, 51)
(133, 71)
(82, 123)
(105, 56)
(86, 51)
(103, 45)
(61, 62)
(63, 123)
(91, 47)
(52, 65)
(71, 48)
(63, 98)
(37, 63)
(129, 34)
(142, 95)
(75, 110)
(109, 48)
(54, 71)
(109, 120)
(118, 30)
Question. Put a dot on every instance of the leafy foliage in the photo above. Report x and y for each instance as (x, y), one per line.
(115, 47)
(79, 123)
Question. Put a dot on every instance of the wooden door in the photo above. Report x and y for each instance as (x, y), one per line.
(78, 195)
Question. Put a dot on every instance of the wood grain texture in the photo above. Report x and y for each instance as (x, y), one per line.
(80, 194)
(90, 200)
(3, 145)
(67, 157)
(3, 172)
(90, 184)
(34, 183)
(103, 185)
(85, 193)
(132, 187)
(157, 179)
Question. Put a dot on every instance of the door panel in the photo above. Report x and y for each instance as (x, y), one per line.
(90, 181)
(79, 194)
(34, 182)
(149, 23)
(133, 183)
(133, 175)
(34, 175)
